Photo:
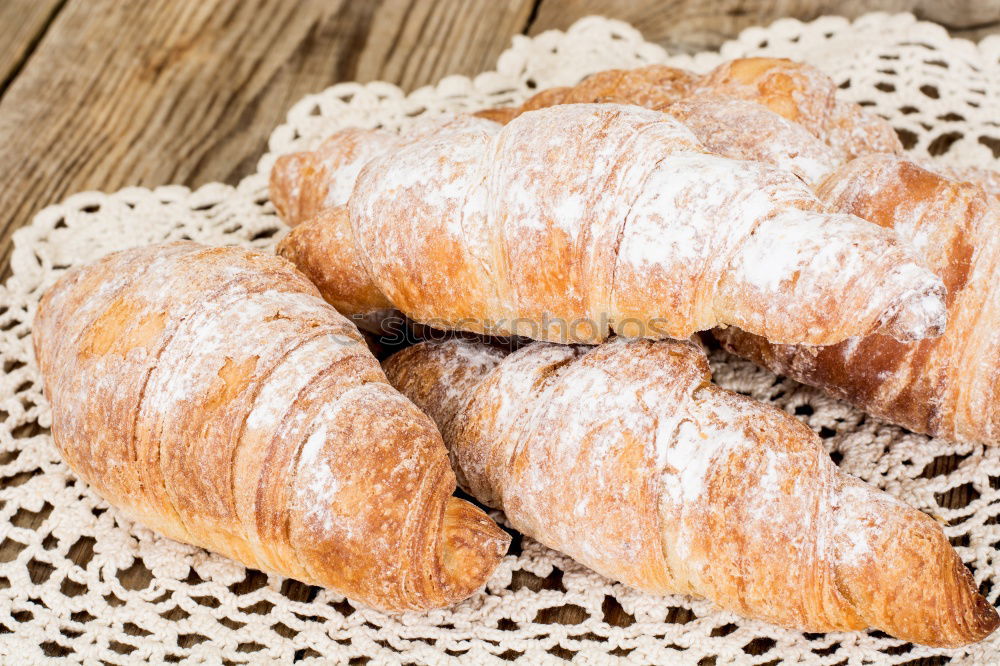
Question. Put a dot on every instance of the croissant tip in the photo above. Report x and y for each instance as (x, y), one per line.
(922, 315)
(283, 184)
(974, 616)
(473, 546)
(986, 619)
(981, 621)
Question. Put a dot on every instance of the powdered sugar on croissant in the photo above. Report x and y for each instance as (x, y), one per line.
(303, 184)
(988, 179)
(949, 386)
(210, 394)
(796, 91)
(628, 459)
(805, 95)
(744, 130)
(578, 220)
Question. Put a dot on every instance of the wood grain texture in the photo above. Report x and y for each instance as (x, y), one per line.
(22, 24)
(694, 25)
(413, 44)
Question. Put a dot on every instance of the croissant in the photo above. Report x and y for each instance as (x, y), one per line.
(307, 182)
(796, 91)
(304, 183)
(775, 97)
(988, 179)
(949, 386)
(626, 458)
(803, 94)
(722, 124)
(210, 394)
(580, 220)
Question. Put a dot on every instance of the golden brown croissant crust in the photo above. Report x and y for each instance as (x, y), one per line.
(626, 457)
(210, 394)
(949, 386)
(578, 220)
(945, 387)
(796, 91)
(304, 183)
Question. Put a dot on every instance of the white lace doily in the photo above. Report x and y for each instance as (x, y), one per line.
(62, 593)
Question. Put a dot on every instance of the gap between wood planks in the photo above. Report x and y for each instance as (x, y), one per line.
(28, 42)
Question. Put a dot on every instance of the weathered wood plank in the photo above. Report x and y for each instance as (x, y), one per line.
(187, 91)
(22, 23)
(416, 43)
(695, 25)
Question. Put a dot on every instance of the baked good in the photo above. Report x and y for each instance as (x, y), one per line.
(627, 458)
(652, 86)
(805, 95)
(211, 395)
(796, 91)
(580, 220)
(949, 386)
(743, 130)
(988, 179)
(304, 183)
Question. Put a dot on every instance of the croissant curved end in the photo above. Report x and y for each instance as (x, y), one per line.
(974, 619)
(984, 619)
(950, 611)
(284, 186)
(901, 575)
(470, 550)
(918, 316)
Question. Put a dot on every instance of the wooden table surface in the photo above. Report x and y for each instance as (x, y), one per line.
(103, 94)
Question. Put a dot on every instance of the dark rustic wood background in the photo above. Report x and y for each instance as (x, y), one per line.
(102, 94)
